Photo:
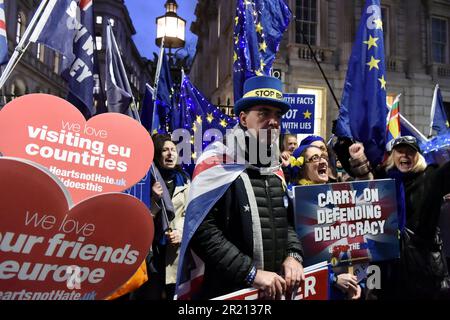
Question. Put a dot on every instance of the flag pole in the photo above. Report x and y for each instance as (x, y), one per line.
(320, 67)
(127, 83)
(155, 91)
(24, 42)
(158, 69)
(413, 128)
(433, 109)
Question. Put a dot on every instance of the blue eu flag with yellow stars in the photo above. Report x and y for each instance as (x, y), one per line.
(258, 30)
(439, 121)
(363, 111)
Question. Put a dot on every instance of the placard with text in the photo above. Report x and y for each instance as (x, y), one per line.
(347, 223)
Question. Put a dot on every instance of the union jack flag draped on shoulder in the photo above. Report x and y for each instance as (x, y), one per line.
(217, 168)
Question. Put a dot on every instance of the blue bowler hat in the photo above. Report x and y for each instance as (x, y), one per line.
(262, 90)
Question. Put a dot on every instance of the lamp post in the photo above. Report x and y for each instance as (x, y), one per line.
(170, 27)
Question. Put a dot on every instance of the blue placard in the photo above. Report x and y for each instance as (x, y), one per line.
(347, 223)
(300, 119)
(141, 190)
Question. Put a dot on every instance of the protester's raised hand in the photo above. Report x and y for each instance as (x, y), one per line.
(356, 150)
(293, 274)
(285, 158)
(157, 189)
(271, 284)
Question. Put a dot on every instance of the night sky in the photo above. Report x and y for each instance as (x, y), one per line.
(144, 12)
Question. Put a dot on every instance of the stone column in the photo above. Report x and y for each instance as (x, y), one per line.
(414, 38)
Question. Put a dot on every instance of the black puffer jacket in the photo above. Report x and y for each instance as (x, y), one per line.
(225, 239)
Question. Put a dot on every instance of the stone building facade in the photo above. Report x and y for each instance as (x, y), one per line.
(39, 69)
(417, 41)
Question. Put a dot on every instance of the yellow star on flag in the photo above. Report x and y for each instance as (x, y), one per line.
(307, 114)
(223, 123)
(209, 117)
(246, 2)
(383, 82)
(194, 155)
(259, 73)
(199, 119)
(235, 57)
(194, 128)
(259, 27)
(372, 42)
(379, 24)
(262, 64)
(236, 40)
(447, 124)
(263, 46)
(236, 20)
(373, 63)
(192, 140)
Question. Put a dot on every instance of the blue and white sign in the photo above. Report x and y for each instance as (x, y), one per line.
(300, 119)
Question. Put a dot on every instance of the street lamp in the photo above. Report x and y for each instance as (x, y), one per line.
(170, 27)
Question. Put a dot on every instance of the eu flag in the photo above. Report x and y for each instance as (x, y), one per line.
(3, 37)
(363, 111)
(118, 90)
(147, 108)
(258, 30)
(438, 116)
(163, 100)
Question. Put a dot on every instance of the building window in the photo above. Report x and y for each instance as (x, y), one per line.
(38, 51)
(217, 72)
(99, 19)
(20, 26)
(439, 40)
(218, 21)
(96, 84)
(98, 42)
(306, 23)
(56, 62)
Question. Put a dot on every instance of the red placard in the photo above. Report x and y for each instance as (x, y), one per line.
(50, 250)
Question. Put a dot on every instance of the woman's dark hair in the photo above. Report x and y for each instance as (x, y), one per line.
(158, 141)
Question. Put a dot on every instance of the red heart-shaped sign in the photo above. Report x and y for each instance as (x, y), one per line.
(110, 152)
(51, 251)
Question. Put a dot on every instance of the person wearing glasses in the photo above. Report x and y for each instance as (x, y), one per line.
(421, 190)
(309, 166)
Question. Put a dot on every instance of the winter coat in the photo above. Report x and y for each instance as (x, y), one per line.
(250, 225)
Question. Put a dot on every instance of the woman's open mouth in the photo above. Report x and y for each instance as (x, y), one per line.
(405, 163)
(323, 171)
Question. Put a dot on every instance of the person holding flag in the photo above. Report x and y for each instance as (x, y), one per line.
(363, 112)
(421, 189)
(238, 229)
(168, 229)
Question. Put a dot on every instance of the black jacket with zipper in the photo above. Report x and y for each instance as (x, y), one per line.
(224, 240)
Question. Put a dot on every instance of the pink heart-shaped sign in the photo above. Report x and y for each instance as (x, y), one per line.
(110, 152)
(49, 250)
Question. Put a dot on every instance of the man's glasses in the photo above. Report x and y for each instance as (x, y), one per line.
(316, 158)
